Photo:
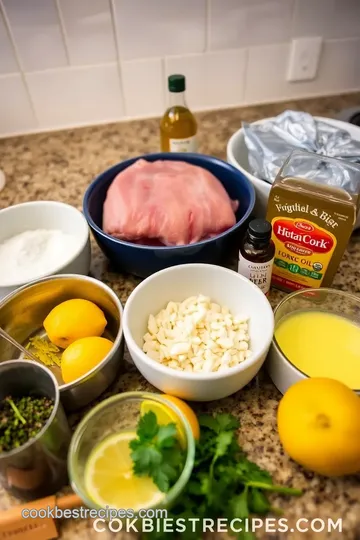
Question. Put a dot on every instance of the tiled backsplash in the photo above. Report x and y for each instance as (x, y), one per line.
(66, 63)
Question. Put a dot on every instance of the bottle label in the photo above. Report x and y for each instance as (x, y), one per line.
(258, 273)
(184, 145)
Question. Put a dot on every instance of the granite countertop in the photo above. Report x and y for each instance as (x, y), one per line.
(60, 165)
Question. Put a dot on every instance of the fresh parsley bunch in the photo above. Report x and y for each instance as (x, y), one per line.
(223, 484)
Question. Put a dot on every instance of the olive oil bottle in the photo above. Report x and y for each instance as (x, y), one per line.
(178, 126)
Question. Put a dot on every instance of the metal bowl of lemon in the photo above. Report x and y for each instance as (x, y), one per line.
(99, 459)
(73, 325)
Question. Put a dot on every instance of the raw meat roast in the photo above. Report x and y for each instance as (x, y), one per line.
(168, 202)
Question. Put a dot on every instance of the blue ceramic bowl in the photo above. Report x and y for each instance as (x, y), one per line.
(145, 260)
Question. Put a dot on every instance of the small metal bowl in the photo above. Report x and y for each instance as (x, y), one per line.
(37, 468)
(22, 314)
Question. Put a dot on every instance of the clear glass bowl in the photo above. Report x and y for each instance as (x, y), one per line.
(121, 413)
(327, 300)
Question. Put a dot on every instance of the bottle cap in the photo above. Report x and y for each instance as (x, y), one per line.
(260, 229)
(176, 83)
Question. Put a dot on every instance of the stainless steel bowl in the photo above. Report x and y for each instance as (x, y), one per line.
(22, 314)
(37, 468)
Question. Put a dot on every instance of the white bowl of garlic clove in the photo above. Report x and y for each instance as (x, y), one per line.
(240, 300)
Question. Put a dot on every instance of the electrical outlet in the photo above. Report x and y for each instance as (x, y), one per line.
(304, 59)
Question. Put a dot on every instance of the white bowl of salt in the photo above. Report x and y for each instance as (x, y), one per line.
(39, 239)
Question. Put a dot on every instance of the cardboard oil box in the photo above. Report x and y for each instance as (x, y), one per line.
(312, 207)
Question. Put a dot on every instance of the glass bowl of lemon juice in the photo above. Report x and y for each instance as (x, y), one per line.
(317, 334)
(100, 463)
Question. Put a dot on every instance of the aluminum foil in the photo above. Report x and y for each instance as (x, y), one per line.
(270, 143)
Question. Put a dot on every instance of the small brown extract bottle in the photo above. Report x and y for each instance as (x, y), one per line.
(256, 254)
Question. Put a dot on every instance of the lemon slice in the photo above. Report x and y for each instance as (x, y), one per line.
(164, 415)
(109, 479)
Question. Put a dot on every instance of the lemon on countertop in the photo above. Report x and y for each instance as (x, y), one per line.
(319, 426)
(109, 478)
(82, 356)
(72, 320)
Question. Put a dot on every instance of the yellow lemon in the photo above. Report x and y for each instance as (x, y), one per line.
(109, 479)
(165, 415)
(319, 426)
(187, 412)
(72, 320)
(83, 355)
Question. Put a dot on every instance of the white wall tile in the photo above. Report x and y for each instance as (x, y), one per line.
(159, 27)
(16, 115)
(225, 77)
(267, 66)
(266, 73)
(75, 96)
(227, 20)
(212, 80)
(346, 20)
(238, 23)
(313, 18)
(8, 63)
(89, 31)
(36, 29)
(143, 85)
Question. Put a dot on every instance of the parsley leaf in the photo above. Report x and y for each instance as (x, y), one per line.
(161, 478)
(166, 436)
(223, 440)
(221, 422)
(258, 502)
(148, 427)
(210, 422)
(240, 504)
(156, 452)
(227, 422)
(145, 458)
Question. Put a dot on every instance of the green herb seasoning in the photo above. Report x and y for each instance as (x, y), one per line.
(21, 419)
(224, 482)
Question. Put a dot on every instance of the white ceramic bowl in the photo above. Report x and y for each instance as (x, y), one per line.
(237, 155)
(223, 286)
(48, 215)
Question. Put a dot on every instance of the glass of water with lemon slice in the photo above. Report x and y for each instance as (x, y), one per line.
(100, 463)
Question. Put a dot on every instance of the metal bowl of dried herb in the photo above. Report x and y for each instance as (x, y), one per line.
(34, 432)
